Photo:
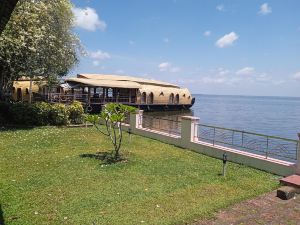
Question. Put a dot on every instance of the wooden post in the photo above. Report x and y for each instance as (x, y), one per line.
(89, 96)
(117, 95)
(73, 93)
(30, 91)
(104, 94)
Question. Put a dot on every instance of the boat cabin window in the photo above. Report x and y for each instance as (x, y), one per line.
(150, 98)
(171, 99)
(110, 92)
(27, 91)
(183, 95)
(143, 98)
(177, 99)
(99, 91)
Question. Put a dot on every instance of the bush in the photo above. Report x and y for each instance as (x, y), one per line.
(22, 114)
(59, 115)
(5, 116)
(76, 113)
(42, 113)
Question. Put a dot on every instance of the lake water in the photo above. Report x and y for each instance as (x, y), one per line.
(276, 116)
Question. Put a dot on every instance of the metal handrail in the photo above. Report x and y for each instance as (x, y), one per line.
(269, 145)
(247, 132)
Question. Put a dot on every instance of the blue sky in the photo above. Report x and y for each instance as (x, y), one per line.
(239, 47)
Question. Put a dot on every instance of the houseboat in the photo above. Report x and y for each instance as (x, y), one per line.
(95, 90)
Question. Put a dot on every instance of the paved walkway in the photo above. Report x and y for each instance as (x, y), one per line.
(266, 209)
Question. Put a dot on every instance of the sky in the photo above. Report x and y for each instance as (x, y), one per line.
(230, 47)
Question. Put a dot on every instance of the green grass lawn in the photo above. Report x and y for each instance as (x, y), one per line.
(44, 180)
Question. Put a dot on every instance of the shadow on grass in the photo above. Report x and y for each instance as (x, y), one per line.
(15, 128)
(1, 216)
(105, 157)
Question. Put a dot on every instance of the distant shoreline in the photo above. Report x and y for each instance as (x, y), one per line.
(249, 96)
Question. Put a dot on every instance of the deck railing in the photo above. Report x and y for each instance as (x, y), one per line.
(268, 146)
(161, 124)
(96, 99)
(85, 98)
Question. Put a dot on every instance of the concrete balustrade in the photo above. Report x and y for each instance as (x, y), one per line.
(189, 140)
(298, 157)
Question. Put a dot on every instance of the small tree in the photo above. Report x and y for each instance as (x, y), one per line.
(112, 115)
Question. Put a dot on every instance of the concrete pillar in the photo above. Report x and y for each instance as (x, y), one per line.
(136, 119)
(298, 157)
(189, 129)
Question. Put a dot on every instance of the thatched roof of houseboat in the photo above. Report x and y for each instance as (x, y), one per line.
(104, 83)
(126, 78)
(158, 88)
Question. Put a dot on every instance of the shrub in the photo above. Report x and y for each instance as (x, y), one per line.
(42, 113)
(76, 112)
(59, 115)
(5, 116)
(22, 114)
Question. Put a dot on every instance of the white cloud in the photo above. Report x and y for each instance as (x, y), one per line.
(245, 71)
(174, 69)
(96, 63)
(99, 55)
(220, 8)
(88, 19)
(164, 66)
(166, 40)
(263, 77)
(278, 82)
(213, 80)
(222, 72)
(226, 77)
(296, 76)
(227, 40)
(207, 33)
(168, 67)
(119, 71)
(265, 9)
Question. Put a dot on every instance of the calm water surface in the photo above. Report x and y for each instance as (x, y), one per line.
(278, 116)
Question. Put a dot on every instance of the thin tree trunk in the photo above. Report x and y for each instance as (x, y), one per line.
(30, 91)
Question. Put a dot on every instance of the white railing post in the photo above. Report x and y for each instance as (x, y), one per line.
(298, 156)
(189, 129)
(136, 119)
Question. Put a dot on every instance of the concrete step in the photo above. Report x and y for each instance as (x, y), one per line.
(293, 181)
